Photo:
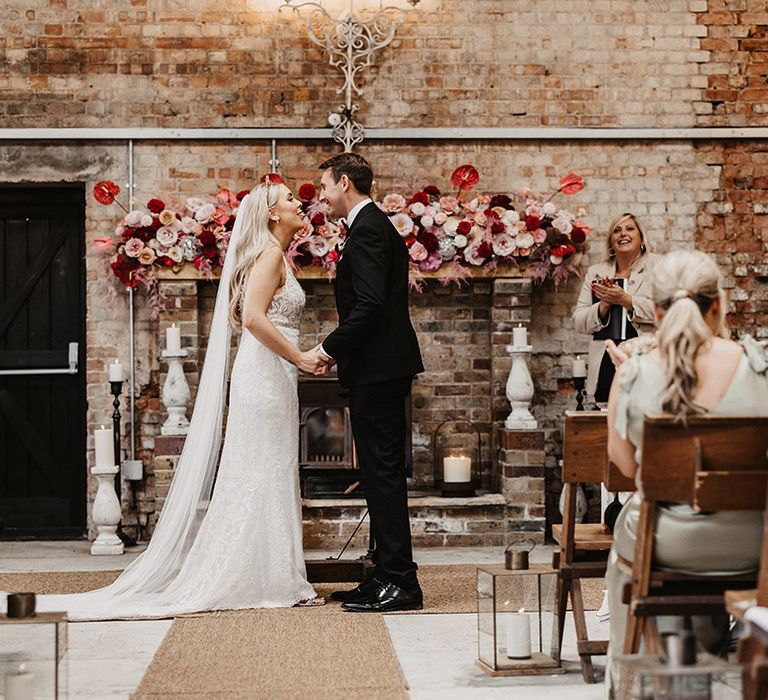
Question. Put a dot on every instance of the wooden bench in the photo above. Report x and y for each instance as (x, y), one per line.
(714, 463)
(584, 547)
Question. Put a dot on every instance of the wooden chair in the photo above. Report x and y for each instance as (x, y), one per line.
(584, 548)
(713, 463)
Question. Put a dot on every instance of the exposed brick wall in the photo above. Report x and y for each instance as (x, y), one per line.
(486, 63)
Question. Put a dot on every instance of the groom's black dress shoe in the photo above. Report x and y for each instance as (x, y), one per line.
(358, 593)
(387, 597)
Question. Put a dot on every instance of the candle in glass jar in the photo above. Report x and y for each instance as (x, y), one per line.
(173, 338)
(457, 470)
(579, 368)
(520, 335)
(19, 685)
(518, 634)
(116, 373)
(105, 447)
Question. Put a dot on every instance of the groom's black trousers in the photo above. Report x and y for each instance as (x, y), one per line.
(377, 413)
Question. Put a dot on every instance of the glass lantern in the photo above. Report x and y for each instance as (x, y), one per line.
(652, 679)
(517, 630)
(32, 656)
(457, 454)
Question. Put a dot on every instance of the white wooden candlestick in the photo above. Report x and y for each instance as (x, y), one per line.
(106, 512)
(520, 390)
(176, 395)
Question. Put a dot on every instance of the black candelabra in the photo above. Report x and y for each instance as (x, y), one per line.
(116, 388)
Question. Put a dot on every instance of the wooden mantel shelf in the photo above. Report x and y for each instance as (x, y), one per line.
(188, 272)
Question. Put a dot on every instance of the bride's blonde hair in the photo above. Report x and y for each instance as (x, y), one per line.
(255, 238)
(685, 285)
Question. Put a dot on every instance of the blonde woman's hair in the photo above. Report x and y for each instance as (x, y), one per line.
(685, 285)
(609, 252)
(255, 238)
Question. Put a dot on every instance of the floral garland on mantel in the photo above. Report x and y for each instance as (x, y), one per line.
(452, 234)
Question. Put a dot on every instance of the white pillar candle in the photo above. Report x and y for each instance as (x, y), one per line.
(19, 685)
(105, 447)
(518, 634)
(520, 335)
(173, 338)
(579, 368)
(457, 470)
(116, 373)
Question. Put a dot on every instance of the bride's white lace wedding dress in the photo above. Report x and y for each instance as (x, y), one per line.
(247, 552)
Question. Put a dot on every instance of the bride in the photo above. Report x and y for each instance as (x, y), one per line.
(246, 550)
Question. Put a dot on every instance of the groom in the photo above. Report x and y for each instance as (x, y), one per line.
(378, 355)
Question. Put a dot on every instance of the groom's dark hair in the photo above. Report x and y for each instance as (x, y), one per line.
(355, 167)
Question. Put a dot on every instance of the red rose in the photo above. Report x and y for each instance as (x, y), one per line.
(274, 179)
(465, 177)
(409, 240)
(422, 197)
(500, 200)
(200, 262)
(498, 227)
(210, 252)
(571, 184)
(578, 235)
(144, 234)
(207, 239)
(124, 268)
(464, 227)
(429, 241)
(307, 192)
(155, 205)
(484, 250)
(240, 196)
(333, 256)
(155, 224)
(533, 223)
(432, 191)
(317, 219)
(165, 260)
(105, 191)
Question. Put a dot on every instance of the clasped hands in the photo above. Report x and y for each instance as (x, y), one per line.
(315, 361)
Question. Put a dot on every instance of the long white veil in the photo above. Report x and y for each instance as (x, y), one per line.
(147, 584)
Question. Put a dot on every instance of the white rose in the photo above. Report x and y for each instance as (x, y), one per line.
(503, 245)
(194, 203)
(175, 254)
(549, 208)
(555, 259)
(451, 225)
(166, 236)
(146, 220)
(133, 218)
(417, 209)
(562, 224)
(441, 218)
(427, 221)
(525, 240)
(318, 246)
(511, 217)
(403, 223)
(205, 212)
(460, 240)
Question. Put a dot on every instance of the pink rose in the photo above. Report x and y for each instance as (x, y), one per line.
(539, 235)
(133, 218)
(449, 204)
(503, 245)
(393, 203)
(418, 252)
(133, 247)
(417, 209)
(147, 256)
(432, 263)
(403, 223)
(205, 212)
(440, 218)
(166, 236)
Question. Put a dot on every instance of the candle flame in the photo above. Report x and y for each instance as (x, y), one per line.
(521, 611)
(507, 602)
(102, 427)
(22, 668)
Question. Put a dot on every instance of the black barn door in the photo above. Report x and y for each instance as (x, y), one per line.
(42, 377)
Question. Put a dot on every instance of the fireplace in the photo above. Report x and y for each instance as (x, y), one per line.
(327, 460)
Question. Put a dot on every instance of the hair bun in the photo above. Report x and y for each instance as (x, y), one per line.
(681, 294)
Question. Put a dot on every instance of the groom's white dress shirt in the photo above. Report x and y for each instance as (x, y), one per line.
(350, 218)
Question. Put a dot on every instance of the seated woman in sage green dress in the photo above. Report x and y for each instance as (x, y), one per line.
(692, 368)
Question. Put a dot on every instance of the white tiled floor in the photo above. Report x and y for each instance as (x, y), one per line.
(437, 652)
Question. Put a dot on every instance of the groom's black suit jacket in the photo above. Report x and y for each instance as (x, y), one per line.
(375, 340)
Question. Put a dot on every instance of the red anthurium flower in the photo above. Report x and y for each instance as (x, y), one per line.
(155, 205)
(274, 179)
(105, 191)
(307, 192)
(571, 184)
(533, 223)
(465, 177)
(102, 242)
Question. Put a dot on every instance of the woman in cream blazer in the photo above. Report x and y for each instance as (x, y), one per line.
(627, 259)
